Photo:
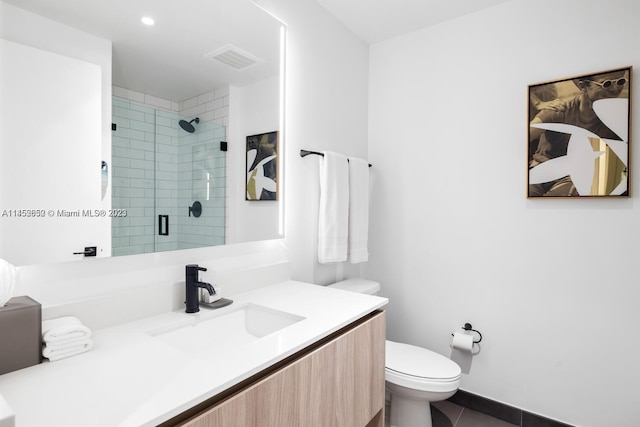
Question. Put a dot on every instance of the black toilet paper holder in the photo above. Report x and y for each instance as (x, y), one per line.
(469, 327)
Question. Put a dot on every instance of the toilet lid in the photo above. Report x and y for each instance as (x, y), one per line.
(420, 362)
(362, 286)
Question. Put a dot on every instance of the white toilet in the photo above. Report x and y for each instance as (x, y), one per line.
(414, 376)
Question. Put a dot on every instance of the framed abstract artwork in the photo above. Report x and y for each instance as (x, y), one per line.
(579, 136)
(262, 167)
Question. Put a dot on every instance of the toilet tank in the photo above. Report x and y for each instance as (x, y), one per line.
(362, 286)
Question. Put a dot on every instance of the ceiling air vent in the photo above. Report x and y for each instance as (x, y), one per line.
(234, 57)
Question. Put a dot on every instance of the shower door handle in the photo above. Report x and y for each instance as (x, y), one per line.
(163, 225)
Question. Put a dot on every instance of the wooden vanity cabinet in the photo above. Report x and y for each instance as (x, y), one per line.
(338, 383)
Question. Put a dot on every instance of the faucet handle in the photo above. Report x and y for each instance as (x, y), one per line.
(194, 268)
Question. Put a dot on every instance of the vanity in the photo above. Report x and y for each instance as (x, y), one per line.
(287, 354)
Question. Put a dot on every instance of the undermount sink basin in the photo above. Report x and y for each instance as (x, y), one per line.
(243, 324)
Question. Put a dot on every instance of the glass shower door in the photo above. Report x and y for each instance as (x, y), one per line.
(201, 186)
(159, 172)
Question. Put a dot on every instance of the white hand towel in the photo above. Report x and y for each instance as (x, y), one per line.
(358, 210)
(60, 351)
(333, 218)
(64, 329)
(67, 344)
(7, 281)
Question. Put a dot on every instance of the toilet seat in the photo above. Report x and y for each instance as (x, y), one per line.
(420, 369)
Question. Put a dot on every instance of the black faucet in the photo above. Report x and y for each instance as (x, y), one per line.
(191, 287)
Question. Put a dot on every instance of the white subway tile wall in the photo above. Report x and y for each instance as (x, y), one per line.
(160, 169)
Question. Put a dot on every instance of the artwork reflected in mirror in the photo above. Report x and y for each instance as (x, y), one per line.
(579, 136)
(262, 166)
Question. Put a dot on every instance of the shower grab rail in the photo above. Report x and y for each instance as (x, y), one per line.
(304, 153)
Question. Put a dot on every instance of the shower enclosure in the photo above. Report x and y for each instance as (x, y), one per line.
(169, 181)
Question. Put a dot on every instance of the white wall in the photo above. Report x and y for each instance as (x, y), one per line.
(551, 284)
(31, 30)
(52, 170)
(326, 109)
(254, 109)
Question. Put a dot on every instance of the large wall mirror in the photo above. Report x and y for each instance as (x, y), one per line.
(130, 137)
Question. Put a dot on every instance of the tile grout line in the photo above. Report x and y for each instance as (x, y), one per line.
(459, 416)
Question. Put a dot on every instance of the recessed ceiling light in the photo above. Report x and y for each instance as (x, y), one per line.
(147, 20)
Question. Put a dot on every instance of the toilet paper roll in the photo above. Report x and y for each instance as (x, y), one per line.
(462, 341)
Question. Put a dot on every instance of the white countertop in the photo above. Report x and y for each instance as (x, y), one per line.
(130, 378)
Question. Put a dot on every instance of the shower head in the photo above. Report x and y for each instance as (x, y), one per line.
(188, 126)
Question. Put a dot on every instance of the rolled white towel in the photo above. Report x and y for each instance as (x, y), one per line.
(64, 329)
(59, 351)
(67, 344)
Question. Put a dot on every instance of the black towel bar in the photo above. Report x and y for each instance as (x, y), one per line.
(304, 153)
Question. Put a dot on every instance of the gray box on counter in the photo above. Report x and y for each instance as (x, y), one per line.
(20, 334)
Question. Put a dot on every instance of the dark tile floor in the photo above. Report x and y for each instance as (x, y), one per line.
(448, 414)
